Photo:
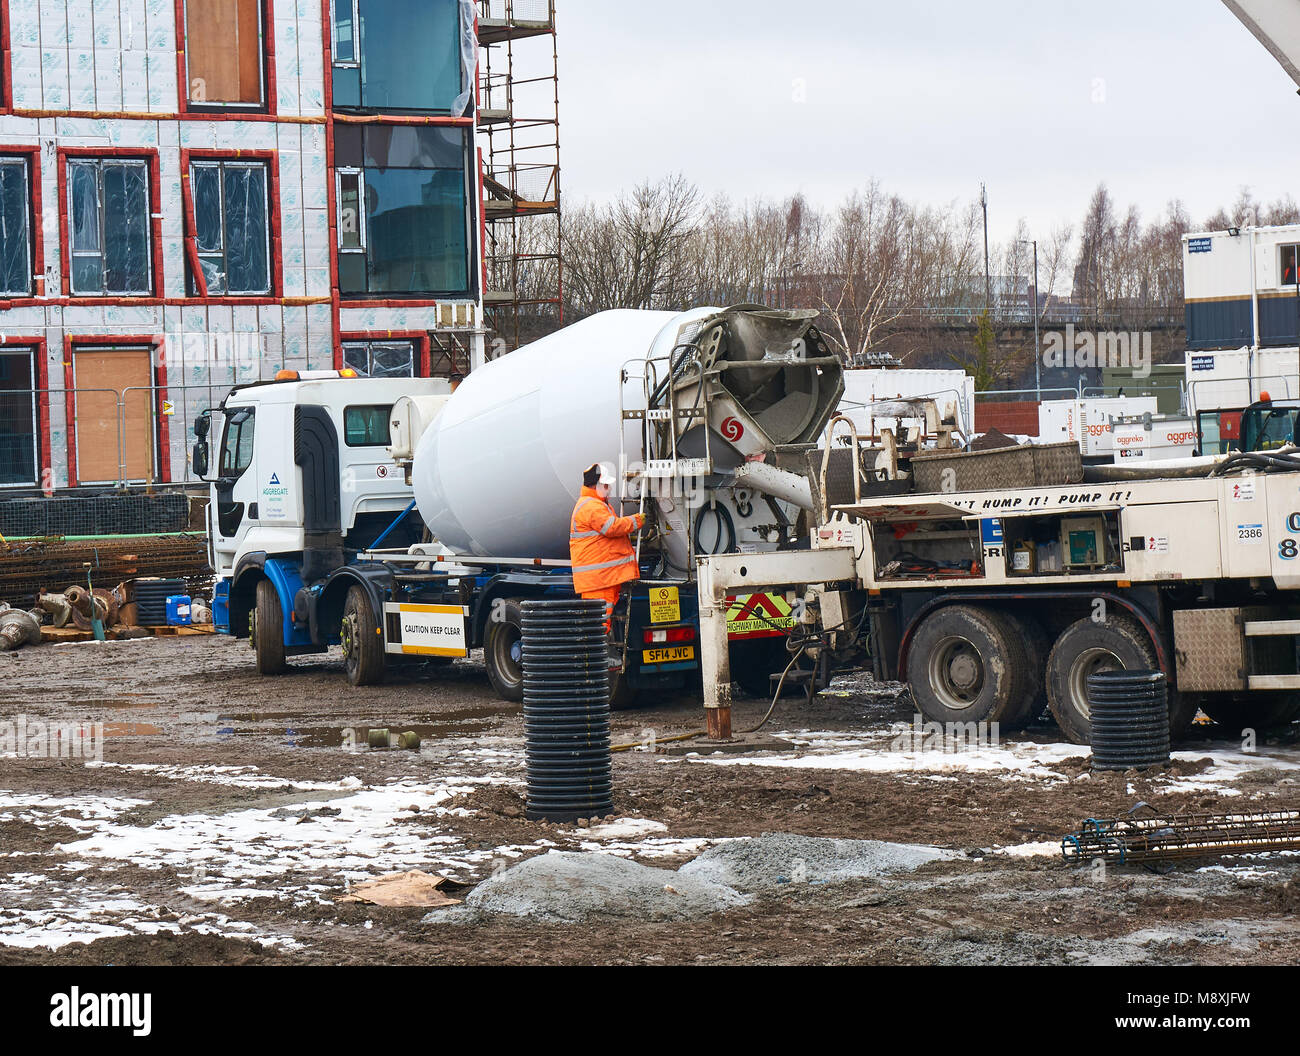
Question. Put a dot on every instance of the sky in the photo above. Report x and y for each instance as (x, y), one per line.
(1041, 101)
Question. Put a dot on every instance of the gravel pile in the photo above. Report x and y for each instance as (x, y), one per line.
(778, 858)
(569, 886)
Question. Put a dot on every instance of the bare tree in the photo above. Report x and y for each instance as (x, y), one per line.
(634, 253)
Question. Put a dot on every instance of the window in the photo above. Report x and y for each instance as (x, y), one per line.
(231, 228)
(237, 450)
(1220, 431)
(394, 55)
(403, 216)
(366, 426)
(380, 359)
(17, 418)
(108, 220)
(15, 228)
(1287, 270)
(352, 235)
(223, 53)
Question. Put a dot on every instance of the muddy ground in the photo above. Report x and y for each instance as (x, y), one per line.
(230, 813)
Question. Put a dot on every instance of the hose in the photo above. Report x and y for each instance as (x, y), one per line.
(1280, 459)
(777, 695)
(725, 526)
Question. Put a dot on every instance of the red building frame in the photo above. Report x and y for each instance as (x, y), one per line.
(147, 154)
(235, 113)
(40, 352)
(423, 346)
(156, 342)
(190, 230)
(35, 203)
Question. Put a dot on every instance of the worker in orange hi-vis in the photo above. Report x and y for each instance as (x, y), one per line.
(600, 541)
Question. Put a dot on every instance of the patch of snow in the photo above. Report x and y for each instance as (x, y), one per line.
(1023, 760)
(1031, 850)
(652, 848)
(624, 827)
(1228, 766)
(43, 912)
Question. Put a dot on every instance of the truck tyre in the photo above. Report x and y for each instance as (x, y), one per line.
(967, 664)
(363, 645)
(268, 630)
(1182, 712)
(1257, 710)
(503, 652)
(1038, 644)
(622, 697)
(1088, 647)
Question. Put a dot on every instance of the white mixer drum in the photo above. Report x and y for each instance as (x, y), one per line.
(499, 470)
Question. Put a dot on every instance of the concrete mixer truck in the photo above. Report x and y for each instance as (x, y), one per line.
(317, 477)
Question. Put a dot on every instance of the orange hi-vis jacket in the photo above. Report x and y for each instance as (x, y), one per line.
(600, 546)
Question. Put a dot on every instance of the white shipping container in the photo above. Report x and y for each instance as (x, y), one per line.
(1235, 378)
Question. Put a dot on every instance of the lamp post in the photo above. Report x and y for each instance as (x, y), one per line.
(1038, 356)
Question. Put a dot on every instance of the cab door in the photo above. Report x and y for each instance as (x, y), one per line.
(236, 487)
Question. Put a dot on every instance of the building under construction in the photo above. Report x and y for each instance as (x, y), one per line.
(200, 193)
(519, 129)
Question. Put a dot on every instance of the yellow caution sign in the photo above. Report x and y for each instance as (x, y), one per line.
(759, 616)
(665, 606)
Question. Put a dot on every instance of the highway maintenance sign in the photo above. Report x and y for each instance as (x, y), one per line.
(759, 616)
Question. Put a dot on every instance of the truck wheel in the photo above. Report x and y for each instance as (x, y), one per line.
(1182, 712)
(1088, 647)
(622, 697)
(967, 664)
(268, 630)
(1038, 644)
(503, 652)
(1257, 710)
(363, 646)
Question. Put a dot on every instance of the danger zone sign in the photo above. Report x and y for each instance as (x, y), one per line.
(665, 606)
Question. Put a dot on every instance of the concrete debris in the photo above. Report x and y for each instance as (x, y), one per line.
(57, 606)
(774, 859)
(571, 886)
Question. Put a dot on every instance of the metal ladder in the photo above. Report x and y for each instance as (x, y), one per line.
(670, 465)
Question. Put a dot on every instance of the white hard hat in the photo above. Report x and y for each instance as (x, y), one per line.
(605, 470)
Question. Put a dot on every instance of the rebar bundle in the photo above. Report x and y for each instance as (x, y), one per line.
(30, 566)
(1158, 838)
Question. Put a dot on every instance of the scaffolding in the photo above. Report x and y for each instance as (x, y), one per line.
(519, 132)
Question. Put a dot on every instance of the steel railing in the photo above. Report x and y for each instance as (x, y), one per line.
(148, 430)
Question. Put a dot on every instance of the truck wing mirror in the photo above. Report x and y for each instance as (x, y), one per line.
(200, 459)
(202, 424)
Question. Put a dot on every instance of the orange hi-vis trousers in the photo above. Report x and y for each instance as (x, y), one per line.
(609, 595)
